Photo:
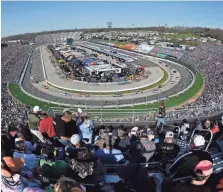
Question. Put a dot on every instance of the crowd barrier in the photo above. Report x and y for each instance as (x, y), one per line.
(145, 116)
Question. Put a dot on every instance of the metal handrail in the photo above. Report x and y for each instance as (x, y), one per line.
(201, 130)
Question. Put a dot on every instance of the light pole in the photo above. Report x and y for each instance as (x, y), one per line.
(109, 24)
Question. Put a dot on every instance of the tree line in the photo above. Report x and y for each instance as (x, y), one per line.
(216, 33)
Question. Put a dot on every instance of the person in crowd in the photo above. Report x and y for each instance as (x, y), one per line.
(65, 127)
(46, 126)
(100, 140)
(184, 166)
(79, 114)
(30, 148)
(116, 130)
(34, 119)
(31, 161)
(6, 146)
(24, 128)
(8, 141)
(134, 134)
(168, 150)
(76, 143)
(66, 184)
(207, 124)
(161, 115)
(185, 128)
(122, 140)
(12, 179)
(52, 168)
(216, 130)
(142, 151)
(109, 155)
(86, 130)
(12, 130)
(198, 181)
(134, 177)
(87, 169)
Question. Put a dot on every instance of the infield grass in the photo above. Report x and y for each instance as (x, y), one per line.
(17, 93)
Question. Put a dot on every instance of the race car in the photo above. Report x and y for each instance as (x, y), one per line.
(117, 95)
(64, 94)
(45, 87)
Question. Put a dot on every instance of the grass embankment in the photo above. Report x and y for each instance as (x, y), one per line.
(172, 102)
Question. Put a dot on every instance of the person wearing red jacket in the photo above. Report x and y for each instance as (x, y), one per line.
(46, 126)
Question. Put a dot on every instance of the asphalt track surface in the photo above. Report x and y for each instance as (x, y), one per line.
(34, 68)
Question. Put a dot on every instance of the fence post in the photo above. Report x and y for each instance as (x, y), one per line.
(101, 116)
(133, 117)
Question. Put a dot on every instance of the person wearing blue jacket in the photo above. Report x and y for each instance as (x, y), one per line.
(86, 130)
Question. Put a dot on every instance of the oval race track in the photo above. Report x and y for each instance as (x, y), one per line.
(34, 68)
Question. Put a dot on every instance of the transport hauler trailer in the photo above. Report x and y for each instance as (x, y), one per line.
(102, 68)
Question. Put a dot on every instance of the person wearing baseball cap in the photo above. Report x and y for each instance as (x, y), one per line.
(34, 119)
(76, 143)
(199, 180)
(184, 166)
(199, 142)
(168, 150)
(11, 179)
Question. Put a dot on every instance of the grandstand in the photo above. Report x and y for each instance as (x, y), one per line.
(55, 38)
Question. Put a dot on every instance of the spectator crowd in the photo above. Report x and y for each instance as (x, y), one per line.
(208, 59)
(13, 59)
(69, 153)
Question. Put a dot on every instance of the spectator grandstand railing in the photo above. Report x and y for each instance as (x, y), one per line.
(145, 115)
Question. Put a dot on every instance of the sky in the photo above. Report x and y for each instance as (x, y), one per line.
(23, 17)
